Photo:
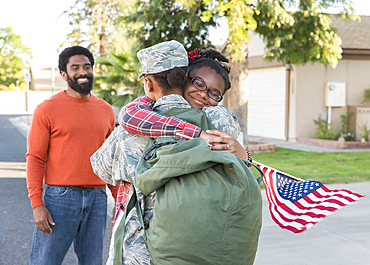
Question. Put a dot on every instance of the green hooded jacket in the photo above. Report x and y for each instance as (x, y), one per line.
(208, 207)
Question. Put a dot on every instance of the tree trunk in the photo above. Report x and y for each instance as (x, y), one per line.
(237, 98)
(103, 49)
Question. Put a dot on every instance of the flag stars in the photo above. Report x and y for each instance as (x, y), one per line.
(287, 192)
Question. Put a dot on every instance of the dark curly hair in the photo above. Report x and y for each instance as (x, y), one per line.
(207, 58)
(71, 51)
(171, 79)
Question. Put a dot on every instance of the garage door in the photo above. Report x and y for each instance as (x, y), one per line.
(266, 102)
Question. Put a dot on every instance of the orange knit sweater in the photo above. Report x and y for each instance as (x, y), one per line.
(64, 133)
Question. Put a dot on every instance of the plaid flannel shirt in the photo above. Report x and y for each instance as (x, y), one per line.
(138, 118)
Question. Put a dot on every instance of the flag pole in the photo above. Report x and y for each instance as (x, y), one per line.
(188, 137)
(262, 165)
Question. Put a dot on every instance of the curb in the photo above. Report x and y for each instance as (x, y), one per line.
(22, 123)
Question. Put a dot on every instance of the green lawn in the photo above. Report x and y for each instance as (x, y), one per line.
(323, 167)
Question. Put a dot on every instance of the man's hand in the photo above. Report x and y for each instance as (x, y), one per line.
(222, 141)
(42, 218)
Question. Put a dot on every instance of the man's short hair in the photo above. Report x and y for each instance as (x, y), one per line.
(71, 51)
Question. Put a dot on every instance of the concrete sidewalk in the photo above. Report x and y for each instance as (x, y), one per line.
(302, 146)
(340, 238)
(22, 123)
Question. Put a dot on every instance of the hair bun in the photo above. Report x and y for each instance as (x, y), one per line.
(195, 54)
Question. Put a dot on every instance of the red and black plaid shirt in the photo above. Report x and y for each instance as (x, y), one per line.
(139, 118)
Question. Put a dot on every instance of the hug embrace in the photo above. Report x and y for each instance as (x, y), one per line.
(181, 181)
(181, 201)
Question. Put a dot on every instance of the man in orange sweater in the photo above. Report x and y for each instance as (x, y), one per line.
(66, 130)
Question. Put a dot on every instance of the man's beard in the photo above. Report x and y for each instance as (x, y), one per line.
(83, 89)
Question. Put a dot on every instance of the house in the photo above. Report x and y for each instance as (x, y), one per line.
(284, 100)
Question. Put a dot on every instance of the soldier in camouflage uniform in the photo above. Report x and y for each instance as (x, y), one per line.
(116, 160)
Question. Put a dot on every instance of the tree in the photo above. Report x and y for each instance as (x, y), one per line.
(121, 84)
(152, 22)
(101, 24)
(129, 26)
(297, 37)
(94, 24)
(13, 56)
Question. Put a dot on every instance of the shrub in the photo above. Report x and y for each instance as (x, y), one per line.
(348, 135)
(364, 132)
(323, 131)
(367, 94)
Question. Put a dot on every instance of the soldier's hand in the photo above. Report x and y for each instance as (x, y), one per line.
(42, 218)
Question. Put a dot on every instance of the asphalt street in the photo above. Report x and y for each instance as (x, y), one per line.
(341, 238)
(16, 217)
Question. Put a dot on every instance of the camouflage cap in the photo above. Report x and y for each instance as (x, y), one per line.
(162, 57)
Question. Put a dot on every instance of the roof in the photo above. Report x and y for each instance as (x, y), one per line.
(354, 34)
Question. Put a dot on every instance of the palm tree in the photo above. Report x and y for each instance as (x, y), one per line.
(119, 85)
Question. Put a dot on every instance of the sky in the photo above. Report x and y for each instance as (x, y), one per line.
(43, 28)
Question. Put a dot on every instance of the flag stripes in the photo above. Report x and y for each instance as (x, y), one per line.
(297, 205)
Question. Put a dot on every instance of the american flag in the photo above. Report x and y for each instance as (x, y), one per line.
(297, 205)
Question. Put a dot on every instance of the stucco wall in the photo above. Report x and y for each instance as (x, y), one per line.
(310, 93)
(358, 80)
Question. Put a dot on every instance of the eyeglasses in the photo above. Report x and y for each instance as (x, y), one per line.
(212, 93)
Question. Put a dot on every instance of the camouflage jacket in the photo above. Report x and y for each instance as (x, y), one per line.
(116, 161)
